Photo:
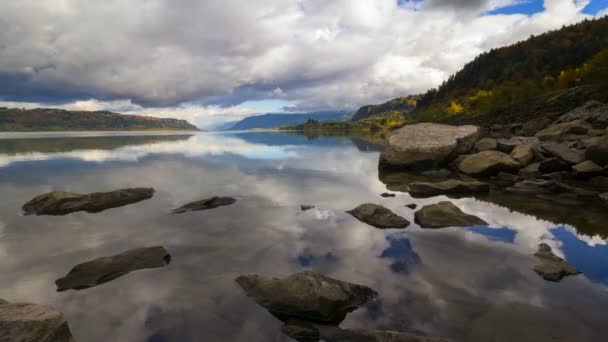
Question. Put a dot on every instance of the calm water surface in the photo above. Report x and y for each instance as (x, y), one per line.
(472, 284)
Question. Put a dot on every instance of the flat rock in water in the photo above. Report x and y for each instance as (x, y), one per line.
(378, 216)
(307, 295)
(25, 322)
(63, 203)
(206, 204)
(488, 163)
(445, 214)
(555, 132)
(563, 152)
(427, 145)
(507, 145)
(552, 267)
(448, 187)
(306, 207)
(104, 269)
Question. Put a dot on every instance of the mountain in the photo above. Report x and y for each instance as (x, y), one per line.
(402, 105)
(45, 119)
(555, 71)
(272, 120)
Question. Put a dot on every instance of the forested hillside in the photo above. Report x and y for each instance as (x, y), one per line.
(43, 119)
(553, 66)
(398, 106)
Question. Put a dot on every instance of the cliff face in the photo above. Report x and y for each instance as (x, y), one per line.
(42, 119)
(402, 105)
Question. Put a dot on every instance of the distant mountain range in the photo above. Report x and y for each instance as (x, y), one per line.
(46, 119)
(272, 120)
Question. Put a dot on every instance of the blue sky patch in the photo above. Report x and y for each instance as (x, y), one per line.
(401, 252)
(503, 234)
(591, 260)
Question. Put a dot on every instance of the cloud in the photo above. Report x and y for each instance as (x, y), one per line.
(205, 56)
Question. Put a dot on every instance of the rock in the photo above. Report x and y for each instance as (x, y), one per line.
(552, 267)
(485, 144)
(104, 269)
(596, 132)
(301, 331)
(506, 178)
(427, 145)
(209, 203)
(507, 145)
(412, 206)
(445, 214)
(554, 132)
(441, 173)
(597, 151)
(378, 216)
(530, 170)
(305, 207)
(535, 125)
(539, 186)
(23, 322)
(593, 112)
(386, 195)
(307, 296)
(523, 154)
(488, 163)
(63, 203)
(587, 169)
(563, 152)
(552, 165)
(448, 187)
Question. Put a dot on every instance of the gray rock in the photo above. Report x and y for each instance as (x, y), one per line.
(552, 267)
(307, 296)
(206, 204)
(563, 152)
(445, 214)
(488, 163)
(305, 207)
(378, 216)
(104, 269)
(597, 151)
(63, 203)
(23, 322)
(523, 154)
(554, 132)
(587, 169)
(507, 145)
(448, 187)
(427, 145)
(386, 195)
(552, 165)
(485, 144)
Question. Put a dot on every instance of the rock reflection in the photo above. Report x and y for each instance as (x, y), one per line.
(105, 269)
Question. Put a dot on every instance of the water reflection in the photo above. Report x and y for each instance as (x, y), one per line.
(466, 286)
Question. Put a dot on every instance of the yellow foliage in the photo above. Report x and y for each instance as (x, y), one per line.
(455, 107)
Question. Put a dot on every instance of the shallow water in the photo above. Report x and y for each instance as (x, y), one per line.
(469, 284)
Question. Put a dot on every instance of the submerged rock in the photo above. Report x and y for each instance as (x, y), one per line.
(305, 207)
(386, 194)
(104, 269)
(445, 214)
(63, 203)
(448, 187)
(209, 203)
(23, 322)
(427, 145)
(307, 296)
(552, 267)
(378, 216)
(488, 163)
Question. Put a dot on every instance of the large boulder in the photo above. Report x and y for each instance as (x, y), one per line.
(448, 187)
(63, 203)
(307, 295)
(206, 204)
(445, 214)
(23, 322)
(563, 152)
(556, 131)
(507, 145)
(597, 151)
(488, 163)
(552, 267)
(378, 216)
(523, 154)
(104, 269)
(427, 145)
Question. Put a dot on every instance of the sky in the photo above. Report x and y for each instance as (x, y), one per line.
(211, 61)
